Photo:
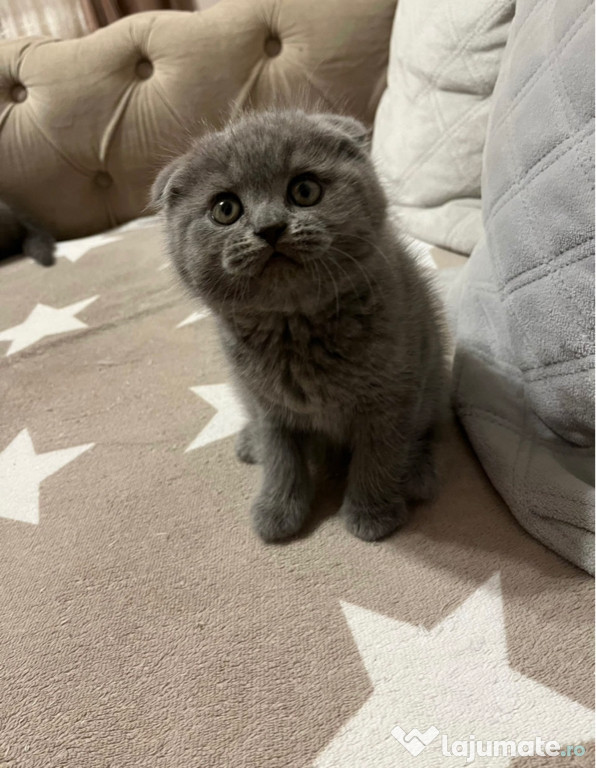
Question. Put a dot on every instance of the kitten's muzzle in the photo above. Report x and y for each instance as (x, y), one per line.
(279, 259)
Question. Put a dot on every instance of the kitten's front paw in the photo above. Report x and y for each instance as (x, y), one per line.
(373, 522)
(246, 445)
(276, 519)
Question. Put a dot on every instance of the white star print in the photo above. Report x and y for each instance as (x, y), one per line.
(73, 250)
(228, 420)
(455, 677)
(194, 318)
(44, 321)
(21, 472)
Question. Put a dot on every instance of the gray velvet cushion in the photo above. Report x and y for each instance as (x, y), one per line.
(523, 305)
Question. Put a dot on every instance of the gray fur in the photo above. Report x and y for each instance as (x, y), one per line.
(19, 234)
(343, 343)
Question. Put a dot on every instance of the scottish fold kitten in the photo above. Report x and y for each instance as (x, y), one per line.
(278, 223)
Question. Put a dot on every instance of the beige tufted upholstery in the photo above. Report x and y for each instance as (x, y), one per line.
(85, 123)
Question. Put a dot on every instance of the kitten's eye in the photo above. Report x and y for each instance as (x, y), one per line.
(305, 191)
(227, 209)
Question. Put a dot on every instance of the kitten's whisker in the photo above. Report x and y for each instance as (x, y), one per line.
(225, 302)
(347, 274)
(322, 263)
(371, 243)
(319, 281)
(234, 297)
(360, 266)
(311, 266)
(315, 273)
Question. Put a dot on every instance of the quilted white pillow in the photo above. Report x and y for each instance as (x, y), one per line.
(431, 122)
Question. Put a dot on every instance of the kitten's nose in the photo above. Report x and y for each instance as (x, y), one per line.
(272, 232)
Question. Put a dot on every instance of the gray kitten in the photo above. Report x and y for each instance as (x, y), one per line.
(278, 223)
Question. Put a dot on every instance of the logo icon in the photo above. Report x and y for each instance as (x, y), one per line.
(415, 741)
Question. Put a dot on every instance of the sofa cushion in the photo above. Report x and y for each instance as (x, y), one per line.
(431, 122)
(524, 365)
(98, 116)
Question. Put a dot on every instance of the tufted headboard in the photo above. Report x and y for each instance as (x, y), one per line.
(86, 123)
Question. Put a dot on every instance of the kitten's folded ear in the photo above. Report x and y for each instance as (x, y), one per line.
(351, 127)
(164, 187)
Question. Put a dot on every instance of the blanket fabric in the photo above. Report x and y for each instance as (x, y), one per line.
(523, 306)
(144, 625)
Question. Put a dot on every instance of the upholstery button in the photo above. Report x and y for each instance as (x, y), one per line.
(144, 69)
(18, 92)
(273, 46)
(103, 179)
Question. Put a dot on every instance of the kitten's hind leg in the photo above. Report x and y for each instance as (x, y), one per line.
(421, 482)
(247, 444)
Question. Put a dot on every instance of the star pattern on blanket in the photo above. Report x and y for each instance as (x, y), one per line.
(73, 250)
(44, 321)
(80, 557)
(194, 317)
(228, 420)
(455, 678)
(21, 472)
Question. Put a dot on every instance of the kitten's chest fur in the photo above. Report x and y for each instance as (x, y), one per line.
(302, 362)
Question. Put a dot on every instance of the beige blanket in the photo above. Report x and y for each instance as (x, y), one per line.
(144, 625)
